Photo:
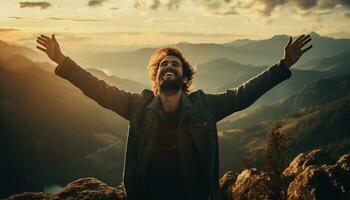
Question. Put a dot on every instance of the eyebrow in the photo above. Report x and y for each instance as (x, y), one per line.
(169, 61)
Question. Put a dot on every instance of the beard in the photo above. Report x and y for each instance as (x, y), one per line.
(170, 85)
(167, 85)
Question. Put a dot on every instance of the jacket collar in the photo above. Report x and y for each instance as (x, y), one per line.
(186, 106)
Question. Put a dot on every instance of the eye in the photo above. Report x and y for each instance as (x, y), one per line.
(163, 64)
(175, 64)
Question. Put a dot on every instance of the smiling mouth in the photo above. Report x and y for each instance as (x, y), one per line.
(169, 74)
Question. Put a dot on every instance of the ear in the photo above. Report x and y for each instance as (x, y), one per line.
(185, 80)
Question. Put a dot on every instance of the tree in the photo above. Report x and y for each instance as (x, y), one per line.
(276, 160)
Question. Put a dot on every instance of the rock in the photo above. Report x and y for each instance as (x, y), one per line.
(318, 182)
(303, 160)
(82, 189)
(344, 162)
(32, 196)
(310, 176)
(252, 184)
(226, 182)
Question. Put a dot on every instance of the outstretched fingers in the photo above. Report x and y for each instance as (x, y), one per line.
(42, 43)
(289, 42)
(299, 39)
(54, 37)
(303, 39)
(304, 43)
(306, 49)
(45, 37)
(42, 49)
(45, 40)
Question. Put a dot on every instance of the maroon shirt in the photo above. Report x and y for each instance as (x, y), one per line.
(164, 176)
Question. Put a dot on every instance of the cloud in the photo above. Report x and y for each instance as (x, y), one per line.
(15, 17)
(191, 34)
(269, 5)
(8, 29)
(229, 12)
(75, 19)
(29, 4)
(306, 4)
(74, 38)
(217, 7)
(93, 3)
(137, 4)
(236, 7)
(173, 4)
(120, 33)
(156, 4)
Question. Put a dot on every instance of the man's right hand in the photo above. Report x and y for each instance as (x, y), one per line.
(51, 47)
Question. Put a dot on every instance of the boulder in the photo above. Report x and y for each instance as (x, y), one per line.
(226, 182)
(82, 189)
(318, 182)
(252, 184)
(303, 160)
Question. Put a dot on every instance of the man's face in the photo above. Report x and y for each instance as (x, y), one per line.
(169, 74)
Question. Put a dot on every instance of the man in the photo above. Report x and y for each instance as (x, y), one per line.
(172, 145)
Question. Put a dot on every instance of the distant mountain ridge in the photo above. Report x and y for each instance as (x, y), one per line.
(318, 92)
(338, 64)
(7, 50)
(247, 52)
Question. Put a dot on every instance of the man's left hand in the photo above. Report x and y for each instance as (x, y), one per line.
(293, 50)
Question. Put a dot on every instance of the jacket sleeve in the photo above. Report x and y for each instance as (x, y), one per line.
(241, 97)
(108, 96)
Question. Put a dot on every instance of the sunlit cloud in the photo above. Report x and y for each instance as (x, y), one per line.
(75, 19)
(228, 12)
(29, 4)
(157, 4)
(191, 34)
(93, 3)
(140, 22)
(231, 7)
(16, 17)
(8, 29)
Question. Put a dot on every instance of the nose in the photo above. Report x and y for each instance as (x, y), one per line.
(170, 65)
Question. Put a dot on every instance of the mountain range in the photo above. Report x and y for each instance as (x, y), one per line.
(266, 52)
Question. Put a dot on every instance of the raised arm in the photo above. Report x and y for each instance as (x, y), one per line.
(241, 97)
(108, 96)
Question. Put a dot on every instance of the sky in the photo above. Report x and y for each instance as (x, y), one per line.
(105, 25)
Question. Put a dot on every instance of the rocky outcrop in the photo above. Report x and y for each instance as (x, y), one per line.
(252, 184)
(226, 182)
(313, 158)
(82, 189)
(310, 176)
(324, 181)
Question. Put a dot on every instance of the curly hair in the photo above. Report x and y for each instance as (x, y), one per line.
(159, 55)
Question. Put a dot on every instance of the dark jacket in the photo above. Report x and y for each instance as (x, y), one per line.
(197, 133)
